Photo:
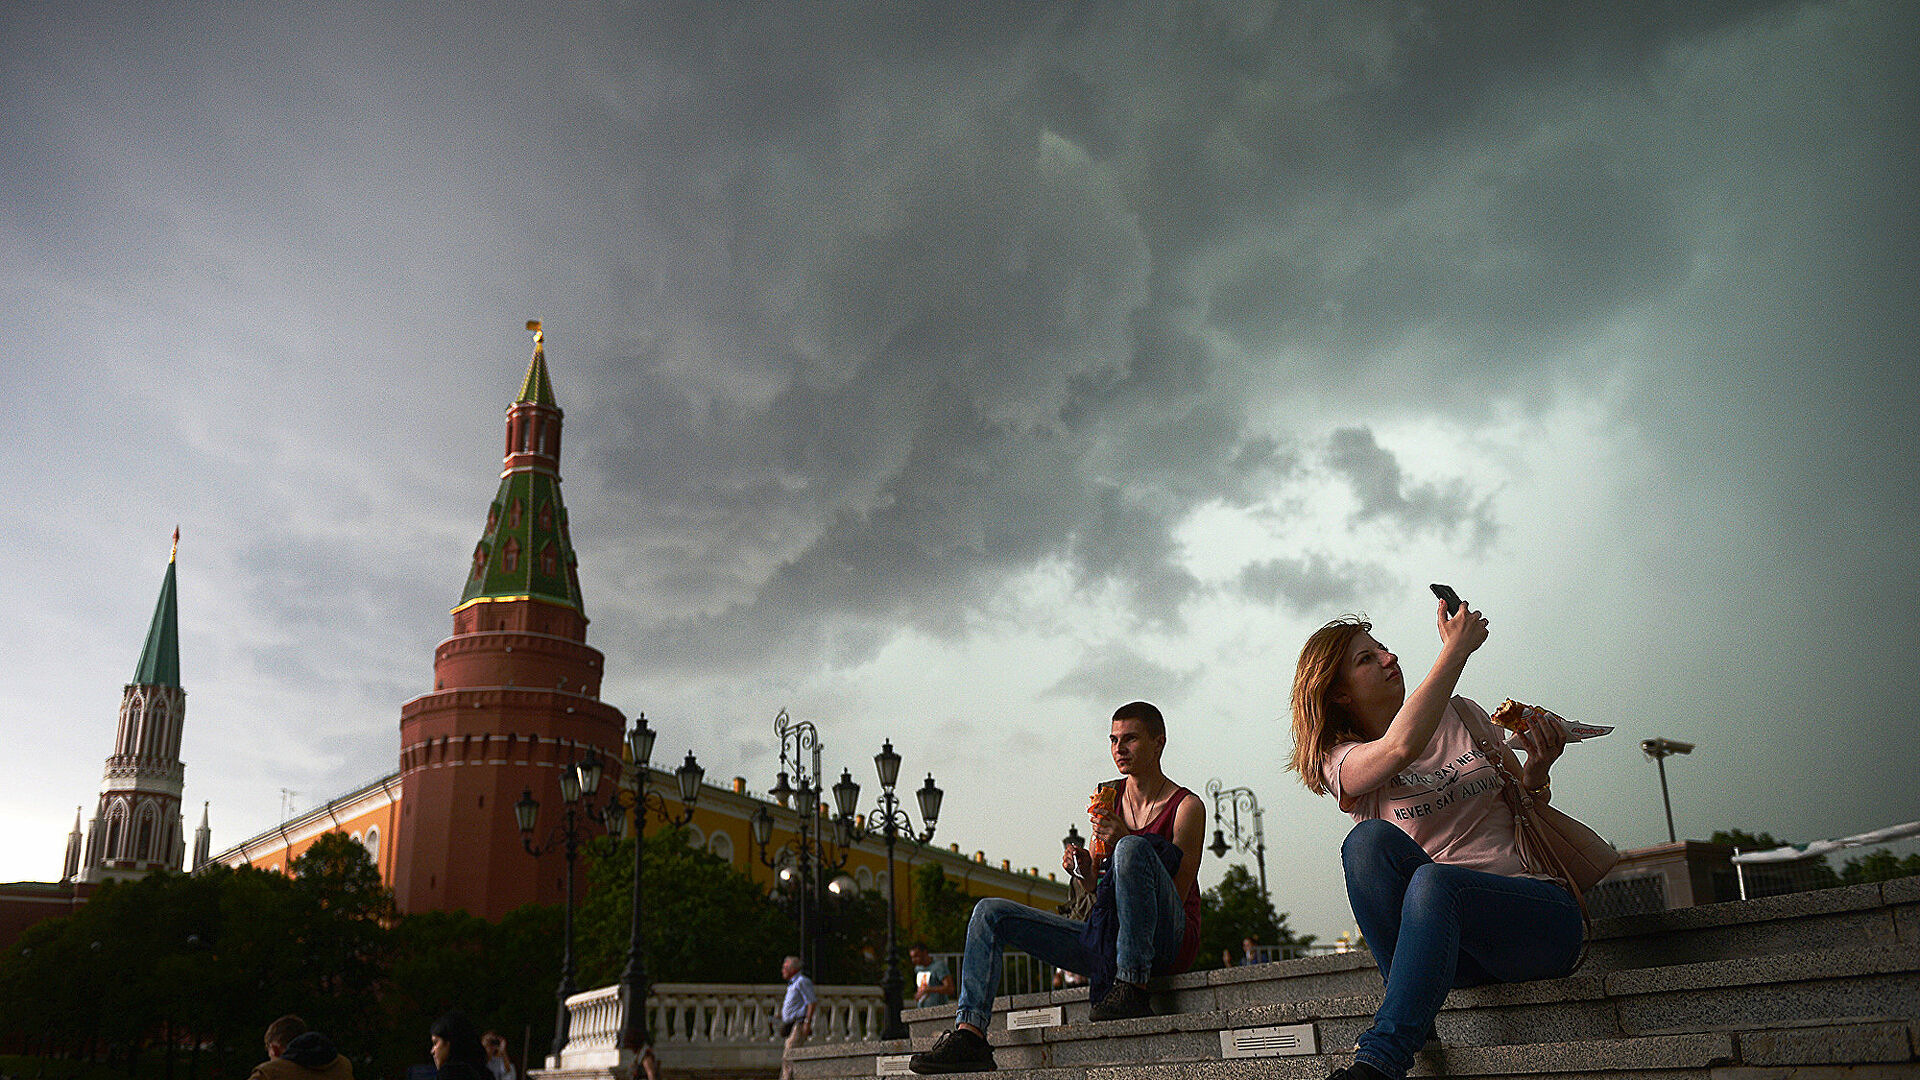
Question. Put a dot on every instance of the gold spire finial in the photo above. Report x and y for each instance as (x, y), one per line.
(176, 544)
(538, 335)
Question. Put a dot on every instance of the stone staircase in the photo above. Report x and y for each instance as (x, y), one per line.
(1810, 986)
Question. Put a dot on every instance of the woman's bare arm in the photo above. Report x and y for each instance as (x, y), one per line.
(1375, 762)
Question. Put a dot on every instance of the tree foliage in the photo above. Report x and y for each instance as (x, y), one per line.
(1236, 909)
(194, 967)
(702, 920)
(940, 909)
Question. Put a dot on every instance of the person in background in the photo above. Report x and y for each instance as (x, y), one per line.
(1249, 950)
(932, 979)
(296, 1053)
(457, 1052)
(796, 1012)
(498, 1063)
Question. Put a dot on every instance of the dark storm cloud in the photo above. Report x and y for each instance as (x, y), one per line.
(1118, 674)
(1312, 583)
(927, 293)
(1375, 476)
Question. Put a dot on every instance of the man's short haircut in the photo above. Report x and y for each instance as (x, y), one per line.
(286, 1029)
(1144, 712)
(921, 945)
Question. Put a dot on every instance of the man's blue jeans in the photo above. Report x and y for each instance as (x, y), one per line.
(1433, 927)
(1152, 926)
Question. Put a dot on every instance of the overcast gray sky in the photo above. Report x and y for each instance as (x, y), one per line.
(952, 374)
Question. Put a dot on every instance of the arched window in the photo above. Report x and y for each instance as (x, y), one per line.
(510, 558)
(721, 845)
(372, 844)
(863, 877)
(144, 849)
(696, 839)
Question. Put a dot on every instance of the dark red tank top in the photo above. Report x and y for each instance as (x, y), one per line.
(1162, 825)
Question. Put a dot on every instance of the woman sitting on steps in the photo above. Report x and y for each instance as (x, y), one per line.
(1433, 870)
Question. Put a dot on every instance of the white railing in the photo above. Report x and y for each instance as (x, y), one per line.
(707, 1013)
(710, 1025)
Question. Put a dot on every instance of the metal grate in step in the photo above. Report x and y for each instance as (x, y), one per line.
(1289, 1040)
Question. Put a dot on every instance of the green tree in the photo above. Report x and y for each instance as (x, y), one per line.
(940, 909)
(702, 920)
(1236, 909)
(502, 975)
(1878, 865)
(338, 914)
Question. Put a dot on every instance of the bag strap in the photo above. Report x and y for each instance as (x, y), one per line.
(1507, 766)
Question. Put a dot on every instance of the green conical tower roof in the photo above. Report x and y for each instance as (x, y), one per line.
(536, 389)
(160, 660)
(526, 552)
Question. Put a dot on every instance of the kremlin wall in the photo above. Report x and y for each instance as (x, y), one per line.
(515, 700)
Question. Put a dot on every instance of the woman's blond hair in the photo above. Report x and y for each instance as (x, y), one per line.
(1317, 722)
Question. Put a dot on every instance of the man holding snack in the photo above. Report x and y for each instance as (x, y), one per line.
(1145, 922)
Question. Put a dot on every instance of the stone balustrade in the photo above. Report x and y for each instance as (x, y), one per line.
(710, 1028)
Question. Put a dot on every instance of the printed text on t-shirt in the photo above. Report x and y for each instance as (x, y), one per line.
(1416, 795)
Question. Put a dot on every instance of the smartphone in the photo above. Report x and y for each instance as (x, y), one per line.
(1445, 592)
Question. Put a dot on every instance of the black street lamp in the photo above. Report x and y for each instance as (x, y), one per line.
(798, 862)
(893, 823)
(578, 783)
(634, 1035)
(1252, 838)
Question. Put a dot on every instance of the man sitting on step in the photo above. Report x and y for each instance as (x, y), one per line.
(1145, 922)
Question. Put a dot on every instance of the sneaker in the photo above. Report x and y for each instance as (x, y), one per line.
(956, 1051)
(1124, 1002)
(1359, 1070)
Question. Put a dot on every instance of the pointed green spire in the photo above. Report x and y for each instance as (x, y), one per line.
(160, 660)
(525, 552)
(536, 389)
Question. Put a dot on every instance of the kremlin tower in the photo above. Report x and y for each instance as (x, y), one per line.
(516, 692)
(137, 827)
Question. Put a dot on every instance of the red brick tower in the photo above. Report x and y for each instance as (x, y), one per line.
(516, 693)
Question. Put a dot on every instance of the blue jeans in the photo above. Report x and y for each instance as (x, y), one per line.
(1152, 925)
(1433, 927)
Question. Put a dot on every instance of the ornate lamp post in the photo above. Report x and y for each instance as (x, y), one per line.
(893, 823)
(633, 981)
(578, 782)
(1245, 839)
(799, 746)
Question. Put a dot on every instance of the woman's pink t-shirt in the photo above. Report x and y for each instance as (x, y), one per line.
(1448, 800)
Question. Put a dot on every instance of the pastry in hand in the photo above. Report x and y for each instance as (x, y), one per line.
(1518, 717)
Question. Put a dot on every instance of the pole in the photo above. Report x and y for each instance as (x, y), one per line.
(890, 993)
(1664, 800)
(560, 1020)
(633, 1029)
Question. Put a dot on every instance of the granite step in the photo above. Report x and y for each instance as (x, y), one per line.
(1882, 914)
(1826, 1049)
(1837, 985)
